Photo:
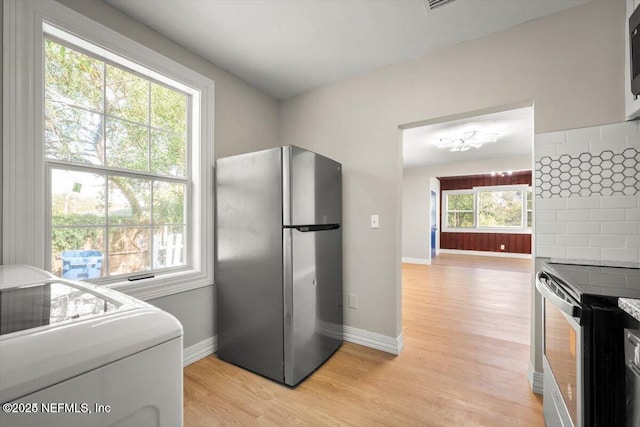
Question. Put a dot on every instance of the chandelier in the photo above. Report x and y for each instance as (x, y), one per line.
(466, 141)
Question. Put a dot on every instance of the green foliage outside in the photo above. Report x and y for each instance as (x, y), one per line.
(460, 210)
(76, 237)
(500, 208)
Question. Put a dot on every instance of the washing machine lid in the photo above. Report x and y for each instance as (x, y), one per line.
(53, 329)
(20, 274)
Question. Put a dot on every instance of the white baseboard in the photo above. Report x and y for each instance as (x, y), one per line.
(374, 340)
(485, 253)
(380, 342)
(536, 380)
(416, 261)
(199, 350)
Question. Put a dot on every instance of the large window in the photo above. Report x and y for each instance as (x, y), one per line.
(108, 155)
(116, 143)
(504, 208)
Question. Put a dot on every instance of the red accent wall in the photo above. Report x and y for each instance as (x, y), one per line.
(470, 181)
(488, 242)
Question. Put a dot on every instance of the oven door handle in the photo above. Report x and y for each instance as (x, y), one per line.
(572, 309)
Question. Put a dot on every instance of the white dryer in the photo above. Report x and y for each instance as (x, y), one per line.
(76, 354)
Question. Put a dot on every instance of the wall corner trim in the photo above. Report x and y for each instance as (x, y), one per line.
(535, 380)
(374, 340)
(199, 350)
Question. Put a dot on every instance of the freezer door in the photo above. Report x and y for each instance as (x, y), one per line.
(248, 268)
(313, 299)
(312, 187)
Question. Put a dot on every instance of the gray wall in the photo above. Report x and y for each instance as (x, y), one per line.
(570, 64)
(195, 310)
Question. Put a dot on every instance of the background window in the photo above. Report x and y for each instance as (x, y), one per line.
(488, 208)
(460, 210)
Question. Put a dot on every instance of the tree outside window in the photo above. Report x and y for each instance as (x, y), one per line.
(500, 208)
(460, 210)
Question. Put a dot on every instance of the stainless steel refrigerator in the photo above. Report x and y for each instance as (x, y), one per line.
(278, 266)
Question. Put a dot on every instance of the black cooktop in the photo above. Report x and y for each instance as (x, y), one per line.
(591, 280)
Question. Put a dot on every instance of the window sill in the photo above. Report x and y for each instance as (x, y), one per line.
(162, 285)
(488, 230)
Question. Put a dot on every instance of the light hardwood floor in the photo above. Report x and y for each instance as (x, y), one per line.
(466, 337)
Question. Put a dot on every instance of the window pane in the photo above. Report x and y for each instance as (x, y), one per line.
(500, 208)
(168, 203)
(72, 78)
(127, 145)
(168, 154)
(460, 219)
(77, 252)
(73, 134)
(168, 109)
(460, 202)
(77, 198)
(168, 246)
(129, 249)
(127, 95)
(129, 200)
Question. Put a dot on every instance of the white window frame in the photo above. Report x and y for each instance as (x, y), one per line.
(445, 197)
(24, 206)
(477, 228)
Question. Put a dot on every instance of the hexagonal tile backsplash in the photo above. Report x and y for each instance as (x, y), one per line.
(608, 173)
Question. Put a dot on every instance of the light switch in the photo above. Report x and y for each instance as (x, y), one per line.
(375, 221)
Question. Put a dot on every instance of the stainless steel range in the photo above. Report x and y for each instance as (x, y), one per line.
(584, 369)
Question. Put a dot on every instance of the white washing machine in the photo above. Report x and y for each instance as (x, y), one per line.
(76, 354)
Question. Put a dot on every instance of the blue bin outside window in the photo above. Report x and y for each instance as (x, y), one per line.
(80, 265)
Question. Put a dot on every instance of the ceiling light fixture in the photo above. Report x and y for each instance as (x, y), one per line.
(468, 140)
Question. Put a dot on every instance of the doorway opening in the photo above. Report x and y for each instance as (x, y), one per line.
(463, 185)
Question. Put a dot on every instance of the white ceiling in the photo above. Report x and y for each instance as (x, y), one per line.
(514, 129)
(286, 47)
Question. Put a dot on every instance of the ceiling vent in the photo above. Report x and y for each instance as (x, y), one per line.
(430, 5)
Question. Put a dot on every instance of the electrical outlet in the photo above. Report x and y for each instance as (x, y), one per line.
(375, 221)
(502, 247)
(353, 301)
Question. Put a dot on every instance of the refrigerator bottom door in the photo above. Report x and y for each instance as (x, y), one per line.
(313, 300)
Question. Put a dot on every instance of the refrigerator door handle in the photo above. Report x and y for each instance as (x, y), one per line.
(311, 228)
